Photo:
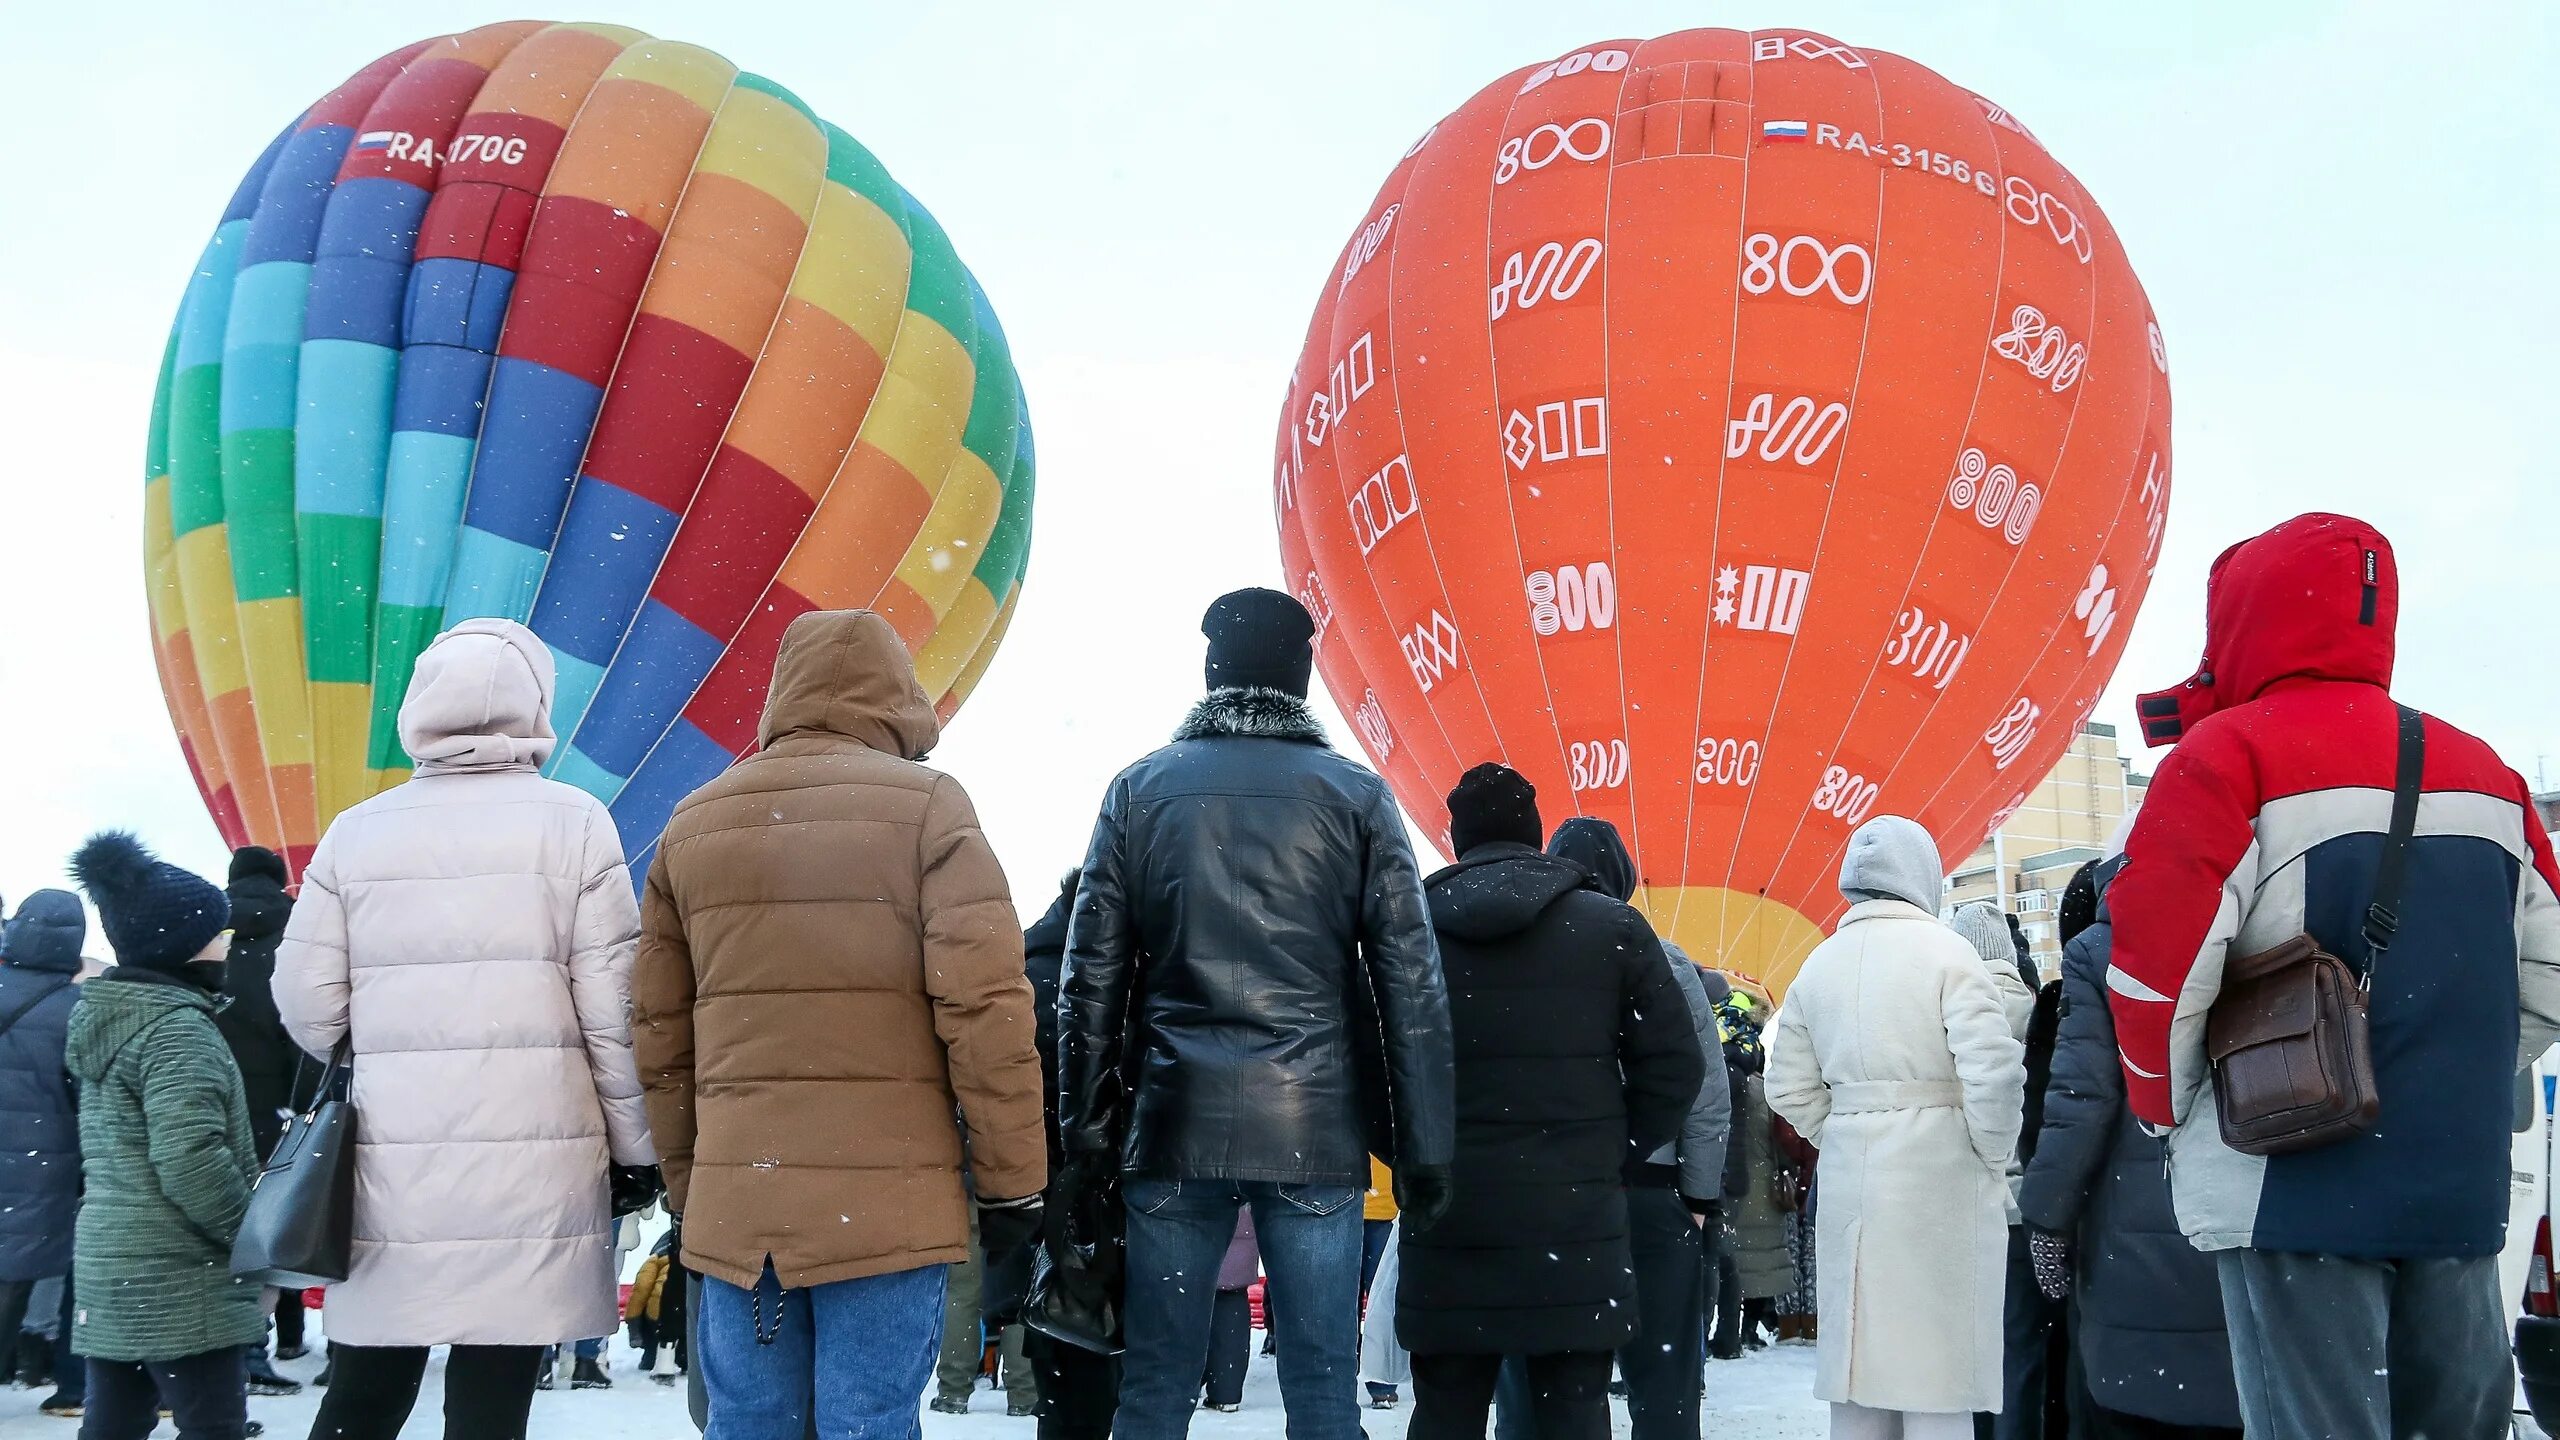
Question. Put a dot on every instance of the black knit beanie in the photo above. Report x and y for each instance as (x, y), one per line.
(1260, 639)
(1492, 804)
(157, 916)
(251, 860)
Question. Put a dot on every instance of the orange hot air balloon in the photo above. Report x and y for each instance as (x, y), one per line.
(1741, 434)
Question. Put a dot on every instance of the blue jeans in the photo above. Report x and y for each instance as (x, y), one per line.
(861, 1350)
(1310, 1241)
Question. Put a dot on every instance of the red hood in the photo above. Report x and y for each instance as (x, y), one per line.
(2317, 597)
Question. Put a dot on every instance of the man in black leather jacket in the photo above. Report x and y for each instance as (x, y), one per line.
(1250, 922)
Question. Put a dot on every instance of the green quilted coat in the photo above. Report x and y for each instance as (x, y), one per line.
(165, 1152)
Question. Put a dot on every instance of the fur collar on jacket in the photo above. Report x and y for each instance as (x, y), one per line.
(1251, 712)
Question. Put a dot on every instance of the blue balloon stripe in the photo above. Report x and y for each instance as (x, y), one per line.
(343, 441)
(419, 512)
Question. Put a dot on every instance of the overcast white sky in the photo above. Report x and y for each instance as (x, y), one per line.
(2344, 214)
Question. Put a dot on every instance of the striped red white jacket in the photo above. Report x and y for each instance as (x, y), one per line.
(2268, 821)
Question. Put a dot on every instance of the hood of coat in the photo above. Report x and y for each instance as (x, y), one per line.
(846, 672)
(259, 907)
(1891, 858)
(1251, 712)
(1498, 890)
(46, 933)
(2315, 598)
(2104, 877)
(1596, 846)
(117, 1007)
(480, 699)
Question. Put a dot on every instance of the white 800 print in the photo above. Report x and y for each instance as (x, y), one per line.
(1930, 651)
(1597, 764)
(1573, 598)
(1798, 433)
(1845, 795)
(1604, 61)
(2008, 736)
(1726, 761)
(1993, 492)
(2048, 353)
(1802, 266)
(1585, 139)
(1550, 272)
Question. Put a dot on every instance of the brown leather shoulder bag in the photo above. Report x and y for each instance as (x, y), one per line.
(2289, 1036)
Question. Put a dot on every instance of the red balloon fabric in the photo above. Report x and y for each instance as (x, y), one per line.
(1741, 434)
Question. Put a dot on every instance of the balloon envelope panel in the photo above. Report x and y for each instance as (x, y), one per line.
(582, 328)
(1741, 434)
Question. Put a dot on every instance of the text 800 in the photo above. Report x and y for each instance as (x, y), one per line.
(1605, 61)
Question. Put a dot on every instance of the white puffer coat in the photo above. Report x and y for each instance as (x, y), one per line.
(472, 929)
(1892, 1055)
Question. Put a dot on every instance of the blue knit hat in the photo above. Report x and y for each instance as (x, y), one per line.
(157, 916)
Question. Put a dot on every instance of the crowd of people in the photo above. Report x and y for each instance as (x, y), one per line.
(1482, 1136)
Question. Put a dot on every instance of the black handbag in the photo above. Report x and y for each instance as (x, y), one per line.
(300, 1227)
(1076, 1271)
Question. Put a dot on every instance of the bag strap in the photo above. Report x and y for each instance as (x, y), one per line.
(41, 996)
(2382, 917)
(341, 1056)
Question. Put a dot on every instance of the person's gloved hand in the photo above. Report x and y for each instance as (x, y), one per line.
(1006, 1226)
(633, 1187)
(2051, 1253)
(1423, 1193)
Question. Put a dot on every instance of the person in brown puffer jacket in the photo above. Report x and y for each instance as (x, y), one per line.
(832, 1020)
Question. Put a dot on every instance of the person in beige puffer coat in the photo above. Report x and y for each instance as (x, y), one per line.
(470, 933)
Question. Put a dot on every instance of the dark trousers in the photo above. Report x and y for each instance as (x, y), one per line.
(2035, 1362)
(289, 1319)
(488, 1391)
(1230, 1348)
(2366, 1349)
(1666, 1362)
(1079, 1390)
(68, 1375)
(207, 1394)
(1727, 1342)
(1569, 1395)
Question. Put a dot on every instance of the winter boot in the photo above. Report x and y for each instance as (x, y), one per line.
(589, 1375)
(263, 1379)
(950, 1404)
(67, 1407)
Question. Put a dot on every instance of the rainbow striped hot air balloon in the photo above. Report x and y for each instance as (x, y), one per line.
(585, 329)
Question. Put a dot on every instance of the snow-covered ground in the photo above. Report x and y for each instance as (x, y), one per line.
(1766, 1396)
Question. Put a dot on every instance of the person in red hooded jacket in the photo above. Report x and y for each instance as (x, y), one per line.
(2359, 1278)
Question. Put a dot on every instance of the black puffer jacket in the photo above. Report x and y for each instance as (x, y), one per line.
(1575, 1050)
(266, 1055)
(39, 1106)
(2148, 1305)
(1250, 907)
